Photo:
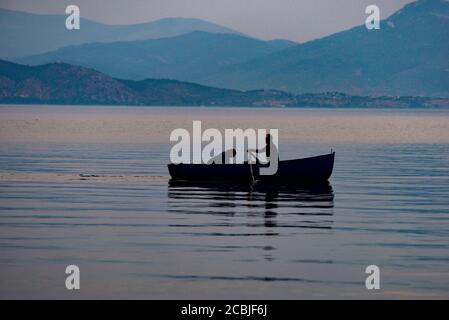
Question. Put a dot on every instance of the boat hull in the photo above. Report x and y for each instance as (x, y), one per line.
(308, 170)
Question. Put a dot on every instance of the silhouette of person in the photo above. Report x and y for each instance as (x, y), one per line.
(270, 148)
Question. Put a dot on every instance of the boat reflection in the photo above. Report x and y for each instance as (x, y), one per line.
(286, 206)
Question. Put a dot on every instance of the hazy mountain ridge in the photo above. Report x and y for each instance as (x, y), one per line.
(60, 83)
(186, 57)
(24, 34)
(408, 56)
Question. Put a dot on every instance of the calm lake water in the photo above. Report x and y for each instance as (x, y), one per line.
(109, 208)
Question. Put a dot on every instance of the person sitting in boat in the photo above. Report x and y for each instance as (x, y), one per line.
(224, 157)
(270, 158)
(270, 149)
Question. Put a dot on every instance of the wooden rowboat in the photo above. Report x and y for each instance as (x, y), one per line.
(299, 171)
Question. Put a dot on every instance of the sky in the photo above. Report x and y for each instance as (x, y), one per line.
(297, 20)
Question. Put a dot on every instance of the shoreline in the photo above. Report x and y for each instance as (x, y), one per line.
(248, 107)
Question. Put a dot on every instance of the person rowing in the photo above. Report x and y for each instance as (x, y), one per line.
(271, 159)
(270, 150)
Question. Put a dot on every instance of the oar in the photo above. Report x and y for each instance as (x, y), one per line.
(253, 180)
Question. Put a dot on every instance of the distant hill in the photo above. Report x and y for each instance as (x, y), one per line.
(409, 55)
(24, 34)
(187, 57)
(61, 83)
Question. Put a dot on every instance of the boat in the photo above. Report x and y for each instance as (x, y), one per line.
(298, 171)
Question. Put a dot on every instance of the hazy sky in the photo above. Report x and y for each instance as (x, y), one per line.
(298, 20)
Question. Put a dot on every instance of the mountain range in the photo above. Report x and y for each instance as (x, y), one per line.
(61, 83)
(185, 57)
(24, 34)
(408, 56)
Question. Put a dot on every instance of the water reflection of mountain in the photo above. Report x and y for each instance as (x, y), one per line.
(279, 206)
